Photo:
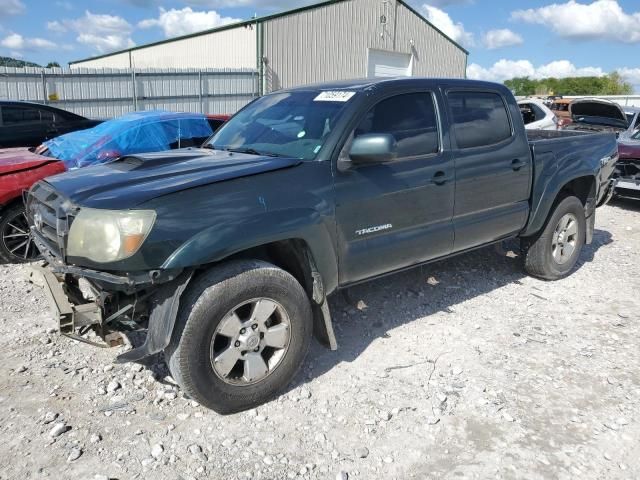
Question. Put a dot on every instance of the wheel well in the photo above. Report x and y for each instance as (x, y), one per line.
(582, 187)
(292, 255)
(10, 204)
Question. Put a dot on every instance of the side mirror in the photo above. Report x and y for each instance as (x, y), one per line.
(373, 148)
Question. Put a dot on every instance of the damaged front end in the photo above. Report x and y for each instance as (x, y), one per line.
(81, 304)
(108, 304)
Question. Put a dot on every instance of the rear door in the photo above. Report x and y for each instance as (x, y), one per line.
(493, 168)
(396, 214)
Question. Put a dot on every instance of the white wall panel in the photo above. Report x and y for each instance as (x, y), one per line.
(233, 48)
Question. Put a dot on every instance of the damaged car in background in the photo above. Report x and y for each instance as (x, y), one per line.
(536, 115)
(597, 115)
(132, 133)
(627, 172)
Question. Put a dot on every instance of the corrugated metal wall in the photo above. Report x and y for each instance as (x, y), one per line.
(433, 54)
(107, 93)
(233, 48)
(332, 43)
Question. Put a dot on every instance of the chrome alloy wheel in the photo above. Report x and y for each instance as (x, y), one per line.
(17, 240)
(250, 342)
(564, 239)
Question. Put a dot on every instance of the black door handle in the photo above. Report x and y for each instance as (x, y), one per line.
(517, 164)
(440, 178)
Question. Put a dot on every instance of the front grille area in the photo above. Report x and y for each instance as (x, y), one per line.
(50, 218)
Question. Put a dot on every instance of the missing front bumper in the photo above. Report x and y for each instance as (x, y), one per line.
(73, 314)
(69, 317)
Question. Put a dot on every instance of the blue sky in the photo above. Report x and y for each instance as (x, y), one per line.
(505, 38)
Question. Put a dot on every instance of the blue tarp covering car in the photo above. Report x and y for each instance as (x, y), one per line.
(139, 132)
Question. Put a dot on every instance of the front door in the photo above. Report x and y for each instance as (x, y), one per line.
(398, 213)
(493, 168)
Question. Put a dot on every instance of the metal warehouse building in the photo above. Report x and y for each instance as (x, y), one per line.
(332, 40)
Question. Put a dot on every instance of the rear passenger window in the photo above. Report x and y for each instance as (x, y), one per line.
(479, 118)
(411, 118)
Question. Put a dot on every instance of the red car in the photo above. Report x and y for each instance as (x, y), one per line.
(20, 168)
(628, 167)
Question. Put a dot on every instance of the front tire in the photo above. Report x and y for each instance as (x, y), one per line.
(16, 243)
(555, 251)
(243, 331)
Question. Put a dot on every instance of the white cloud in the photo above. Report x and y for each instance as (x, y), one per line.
(601, 19)
(564, 68)
(56, 27)
(631, 75)
(104, 33)
(11, 7)
(443, 21)
(507, 69)
(15, 41)
(501, 38)
(66, 5)
(181, 22)
(448, 3)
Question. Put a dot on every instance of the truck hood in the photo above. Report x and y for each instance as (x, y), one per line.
(133, 180)
(14, 160)
(598, 112)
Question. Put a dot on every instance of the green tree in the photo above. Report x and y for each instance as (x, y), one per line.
(522, 86)
(611, 84)
(53, 64)
(12, 62)
(615, 85)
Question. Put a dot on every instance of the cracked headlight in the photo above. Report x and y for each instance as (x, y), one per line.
(105, 236)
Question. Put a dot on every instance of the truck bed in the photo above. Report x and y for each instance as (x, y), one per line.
(567, 154)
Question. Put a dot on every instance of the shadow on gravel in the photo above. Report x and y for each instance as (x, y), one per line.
(418, 293)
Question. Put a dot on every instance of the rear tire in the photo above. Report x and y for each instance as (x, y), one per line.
(243, 331)
(555, 251)
(16, 244)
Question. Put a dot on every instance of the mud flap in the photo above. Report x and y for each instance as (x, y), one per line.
(322, 325)
(163, 318)
(591, 225)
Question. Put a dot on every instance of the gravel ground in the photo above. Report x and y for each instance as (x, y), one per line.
(462, 369)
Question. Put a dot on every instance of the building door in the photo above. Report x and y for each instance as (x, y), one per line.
(382, 63)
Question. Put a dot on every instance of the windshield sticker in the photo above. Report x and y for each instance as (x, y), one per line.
(335, 96)
(317, 149)
(302, 134)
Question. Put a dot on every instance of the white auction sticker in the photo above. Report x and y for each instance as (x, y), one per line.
(334, 96)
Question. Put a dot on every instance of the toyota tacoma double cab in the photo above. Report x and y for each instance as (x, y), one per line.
(226, 254)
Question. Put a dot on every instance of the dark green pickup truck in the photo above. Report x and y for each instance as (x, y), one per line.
(226, 254)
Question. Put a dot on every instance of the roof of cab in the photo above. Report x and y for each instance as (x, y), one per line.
(368, 83)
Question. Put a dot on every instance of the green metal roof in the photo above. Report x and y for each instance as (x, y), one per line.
(255, 21)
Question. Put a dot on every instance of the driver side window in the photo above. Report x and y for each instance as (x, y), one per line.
(412, 120)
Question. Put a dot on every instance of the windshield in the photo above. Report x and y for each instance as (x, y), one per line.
(636, 136)
(288, 124)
